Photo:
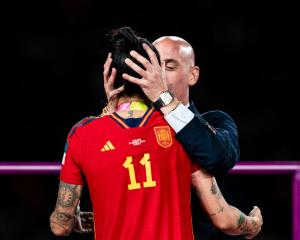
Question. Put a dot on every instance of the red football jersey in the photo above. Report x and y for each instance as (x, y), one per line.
(139, 178)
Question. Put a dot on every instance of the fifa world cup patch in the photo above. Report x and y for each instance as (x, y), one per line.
(163, 136)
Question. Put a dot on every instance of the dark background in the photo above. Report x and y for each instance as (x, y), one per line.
(53, 52)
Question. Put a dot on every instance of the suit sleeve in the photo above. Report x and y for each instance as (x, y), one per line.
(211, 140)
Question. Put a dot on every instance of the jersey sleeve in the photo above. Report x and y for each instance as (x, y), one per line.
(71, 170)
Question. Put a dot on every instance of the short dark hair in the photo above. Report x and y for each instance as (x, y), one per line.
(122, 41)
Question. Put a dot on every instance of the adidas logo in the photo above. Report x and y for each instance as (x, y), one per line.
(107, 147)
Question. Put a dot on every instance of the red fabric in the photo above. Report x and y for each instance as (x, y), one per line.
(161, 212)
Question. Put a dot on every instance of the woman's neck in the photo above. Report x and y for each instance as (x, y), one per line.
(131, 107)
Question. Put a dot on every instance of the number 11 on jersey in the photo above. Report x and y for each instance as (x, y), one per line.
(145, 161)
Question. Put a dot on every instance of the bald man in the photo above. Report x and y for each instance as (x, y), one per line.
(214, 146)
(210, 139)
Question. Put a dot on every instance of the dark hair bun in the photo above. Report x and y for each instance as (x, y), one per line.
(124, 38)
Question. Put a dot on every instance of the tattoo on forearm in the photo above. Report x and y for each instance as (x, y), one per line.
(67, 194)
(242, 224)
(215, 190)
(62, 217)
(221, 209)
(254, 223)
(241, 220)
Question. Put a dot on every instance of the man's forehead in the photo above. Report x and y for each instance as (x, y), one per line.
(173, 45)
(173, 51)
(167, 44)
(168, 49)
(169, 54)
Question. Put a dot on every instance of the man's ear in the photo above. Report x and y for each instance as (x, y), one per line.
(194, 75)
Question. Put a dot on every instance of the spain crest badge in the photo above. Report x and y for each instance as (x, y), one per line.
(163, 136)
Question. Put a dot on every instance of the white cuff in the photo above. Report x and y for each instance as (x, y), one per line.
(179, 118)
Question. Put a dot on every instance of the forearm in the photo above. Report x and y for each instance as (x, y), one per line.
(61, 223)
(228, 219)
(62, 218)
(240, 223)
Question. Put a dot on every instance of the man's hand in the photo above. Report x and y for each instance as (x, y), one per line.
(84, 221)
(153, 81)
(109, 79)
(256, 222)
